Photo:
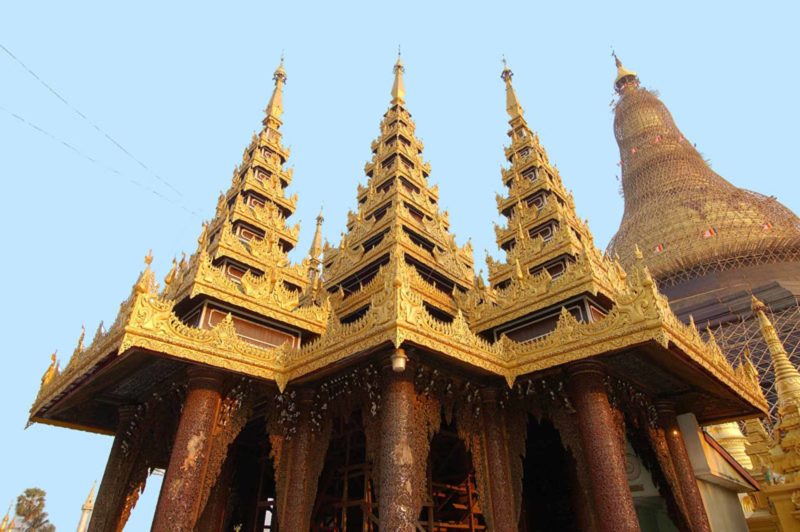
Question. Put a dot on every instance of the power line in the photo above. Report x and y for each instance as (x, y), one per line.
(95, 161)
(88, 120)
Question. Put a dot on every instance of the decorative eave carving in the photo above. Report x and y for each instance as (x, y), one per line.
(529, 251)
(269, 188)
(589, 274)
(267, 218)
(396, 315)
(261, 254)
(266, 295)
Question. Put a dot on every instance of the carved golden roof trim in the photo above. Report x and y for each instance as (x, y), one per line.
(396, 314)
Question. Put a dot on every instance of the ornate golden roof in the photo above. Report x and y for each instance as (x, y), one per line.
(399, 279)
(681, 213)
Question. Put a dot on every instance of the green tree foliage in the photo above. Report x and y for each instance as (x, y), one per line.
(30, 508)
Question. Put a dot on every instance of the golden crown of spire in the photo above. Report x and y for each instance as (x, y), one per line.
(275, 106)
(398, 90)
(622, 72)
(513, 107)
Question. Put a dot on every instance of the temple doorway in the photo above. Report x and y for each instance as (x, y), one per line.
(252, 496)
(346, 500)
(549, 481)
(451, 501)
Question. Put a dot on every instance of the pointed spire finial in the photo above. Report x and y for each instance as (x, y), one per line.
(90, 497)
(624, 76)
(398, 90)
(513, 107)
(315, 252)
(274, 108)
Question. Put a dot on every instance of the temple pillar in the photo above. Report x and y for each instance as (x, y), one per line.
(602, 440)
(401, 483)
(684, 471)
(504, 513)
(179, 501)
(299, 486)
(108, 507)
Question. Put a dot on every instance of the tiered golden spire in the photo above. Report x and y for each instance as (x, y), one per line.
(704, 223)
(242, 256)
(784, 446)
(274, 108)
(543, 238)
(787, 378)
(397, 218)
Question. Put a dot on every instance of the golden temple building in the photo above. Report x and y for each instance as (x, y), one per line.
(380, 384)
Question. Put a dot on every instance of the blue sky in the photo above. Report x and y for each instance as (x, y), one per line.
(182, 87)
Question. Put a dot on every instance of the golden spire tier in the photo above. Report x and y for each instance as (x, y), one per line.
(549, 253)
(397, 220)
(704, 222)
(242, 256)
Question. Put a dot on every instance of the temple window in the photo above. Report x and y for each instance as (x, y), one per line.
(437, 313)
(386, 185)
(554, 269)
(538, 200)
(388, 161)
(530, 173)
(251, 331)
(374, 241)
(380, 213)
(234, 273)
(246, 233)
(545, 231)
(407, 163)
(262, 175)
(431, 276)
(531, 328)
(419, 240)
(409, 185)
(418, 216)
(253, 201)
(354, 316)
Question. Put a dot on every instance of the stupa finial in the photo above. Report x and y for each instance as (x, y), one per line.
(274, 108)
(398, 90)
(513, 107)
(623, 74)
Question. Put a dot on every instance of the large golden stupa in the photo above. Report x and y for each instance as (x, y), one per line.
(709, 245)
(685, 218)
